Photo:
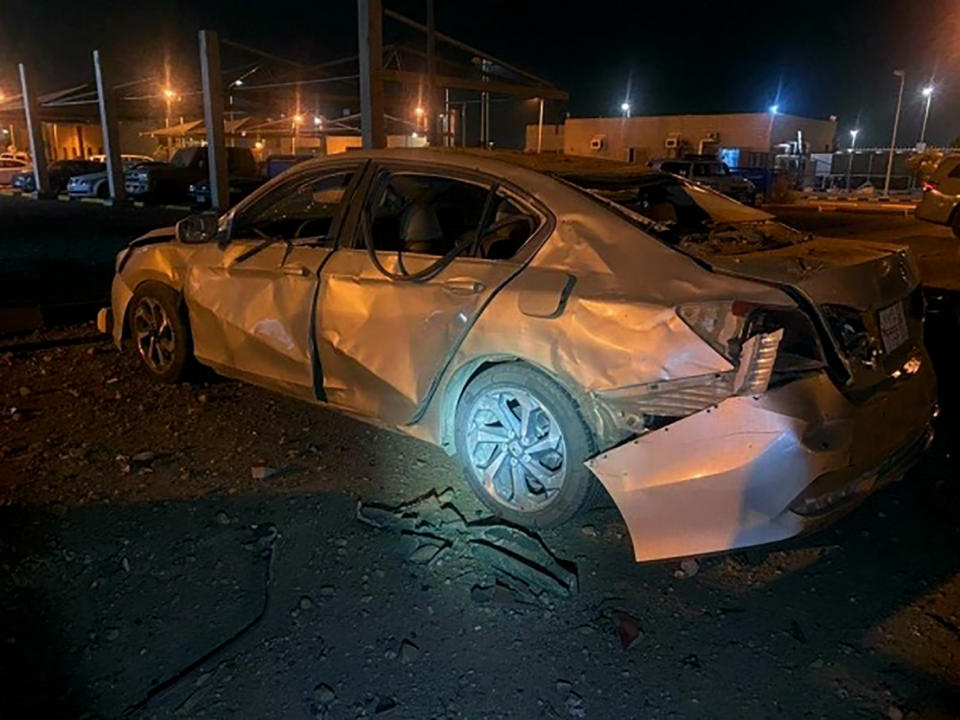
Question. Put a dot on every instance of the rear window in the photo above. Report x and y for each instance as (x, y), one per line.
(955, 172)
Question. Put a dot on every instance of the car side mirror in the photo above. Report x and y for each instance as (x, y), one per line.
(196, 229)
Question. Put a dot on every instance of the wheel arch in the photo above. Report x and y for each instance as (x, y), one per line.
(150, 280)
(596, 416)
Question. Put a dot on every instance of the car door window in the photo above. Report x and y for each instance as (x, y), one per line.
(436, 215)
(306, 209)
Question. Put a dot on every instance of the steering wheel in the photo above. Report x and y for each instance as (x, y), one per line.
(299, 231)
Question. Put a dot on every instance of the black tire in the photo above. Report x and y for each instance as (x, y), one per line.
(578, 488)
(955, 223)
(103, 190)
(175, 335)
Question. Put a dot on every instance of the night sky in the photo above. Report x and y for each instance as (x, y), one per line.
(822, 58)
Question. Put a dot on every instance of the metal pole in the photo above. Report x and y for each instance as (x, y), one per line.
(447, 124)
(109, 128)
(485, 108)
(213, 118)
(853, 142)
(431, 108)
(370, 37)
(463, 124)
(540, 129)
(926, 114)
(893, 140)
(31, 109)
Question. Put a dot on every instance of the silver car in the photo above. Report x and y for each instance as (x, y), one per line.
(95, 185)
(728, 380)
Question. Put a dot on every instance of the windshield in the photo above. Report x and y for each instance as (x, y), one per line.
(183, 157)
(687, 215)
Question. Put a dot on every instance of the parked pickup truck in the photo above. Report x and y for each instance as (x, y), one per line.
(170, 182)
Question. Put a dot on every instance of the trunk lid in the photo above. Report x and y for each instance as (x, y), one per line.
(867, 297)
(860, 275)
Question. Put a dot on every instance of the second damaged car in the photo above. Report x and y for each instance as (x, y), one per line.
(730, 381)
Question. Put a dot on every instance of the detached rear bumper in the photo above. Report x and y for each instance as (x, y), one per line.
(753, 470)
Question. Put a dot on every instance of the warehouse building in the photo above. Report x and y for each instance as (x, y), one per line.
(740, 139)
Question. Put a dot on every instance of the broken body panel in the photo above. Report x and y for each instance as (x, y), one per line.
(693, 464)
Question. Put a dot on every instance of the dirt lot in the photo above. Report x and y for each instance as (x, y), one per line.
(196, 551)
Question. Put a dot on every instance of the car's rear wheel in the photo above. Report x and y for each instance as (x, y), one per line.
(522, 444)
(955, 223)
(159, 331)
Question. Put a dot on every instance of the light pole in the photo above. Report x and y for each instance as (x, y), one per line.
(927, 92)
(168, 95)
(893, 140)
(625, 107)
(853, 144)
(540, 129)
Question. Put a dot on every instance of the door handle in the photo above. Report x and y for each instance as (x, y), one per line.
(298, 270)
(463, 286)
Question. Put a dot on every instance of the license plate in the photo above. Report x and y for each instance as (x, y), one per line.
(893, 327)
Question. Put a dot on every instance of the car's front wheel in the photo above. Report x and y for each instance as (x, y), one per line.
(159, 331)
(522, 444)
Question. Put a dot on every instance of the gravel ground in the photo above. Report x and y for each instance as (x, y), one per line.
(195, 551)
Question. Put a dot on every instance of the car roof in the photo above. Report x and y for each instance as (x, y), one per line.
(515, 165)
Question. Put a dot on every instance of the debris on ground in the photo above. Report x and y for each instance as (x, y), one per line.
(408, 652)
(142, 458)
(688, 568)
(521, 568)
(629, 632)
(575, 706)
(262, 472)
(324, 694)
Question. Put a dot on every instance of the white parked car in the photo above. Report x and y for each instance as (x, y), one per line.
(9, 167)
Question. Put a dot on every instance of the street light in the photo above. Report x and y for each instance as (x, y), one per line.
(168, 94)
(853, 144)
(773, 111)
(625, 107)
(317, 120)
(893, 140)
(927, 92)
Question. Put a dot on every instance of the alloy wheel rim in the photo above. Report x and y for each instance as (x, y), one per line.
(155, 338)
(516, 449)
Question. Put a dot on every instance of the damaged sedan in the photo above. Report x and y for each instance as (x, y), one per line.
(728, 380)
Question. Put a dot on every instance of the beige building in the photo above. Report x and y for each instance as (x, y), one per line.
(745, 138)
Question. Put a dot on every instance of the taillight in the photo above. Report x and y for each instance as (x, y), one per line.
(930, 185)
(728, 326)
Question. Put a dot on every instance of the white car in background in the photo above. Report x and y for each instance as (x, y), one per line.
(95, 185)
(9, 167)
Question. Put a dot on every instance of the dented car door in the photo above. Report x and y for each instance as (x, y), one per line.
(251, 304)
(386, 327)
